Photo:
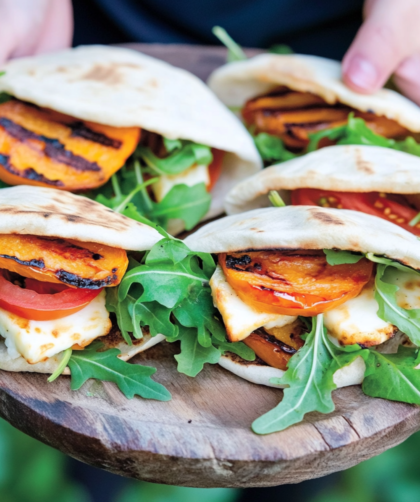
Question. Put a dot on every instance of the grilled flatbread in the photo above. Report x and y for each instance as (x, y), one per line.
(342, 168)
(236, 82)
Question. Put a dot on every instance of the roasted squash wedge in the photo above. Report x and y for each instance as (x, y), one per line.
(46, 148)
(78, 264)
(293, 115)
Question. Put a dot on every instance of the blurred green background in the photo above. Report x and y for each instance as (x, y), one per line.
(33, 472)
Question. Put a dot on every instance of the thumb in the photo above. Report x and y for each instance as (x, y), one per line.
(387, 37)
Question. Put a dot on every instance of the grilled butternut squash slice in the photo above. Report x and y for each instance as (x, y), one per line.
(86, 265)
(293, 115)
(46, 148)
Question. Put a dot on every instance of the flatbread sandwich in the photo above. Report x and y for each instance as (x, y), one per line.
(62, 257)
(324, 297)
(72, 119)
(370, 179)
(294, 104)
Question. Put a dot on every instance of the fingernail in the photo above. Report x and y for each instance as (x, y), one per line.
(362, 73)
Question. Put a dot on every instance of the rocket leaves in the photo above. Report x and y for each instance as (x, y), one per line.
(127, 191)
(170, 293)
(132, 379)
(355, 132)
(337, 257)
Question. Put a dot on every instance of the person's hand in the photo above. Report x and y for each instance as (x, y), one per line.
(387, 42)
(34, 26)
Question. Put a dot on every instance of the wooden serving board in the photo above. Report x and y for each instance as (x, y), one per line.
(202, 437)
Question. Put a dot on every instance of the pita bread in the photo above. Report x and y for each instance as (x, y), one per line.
(50, 212)
(346, 168)
(235, 83)
(307, 227)
(123, 88)
(261, 374)
(19, 365)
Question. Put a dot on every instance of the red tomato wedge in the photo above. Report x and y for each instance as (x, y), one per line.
(41, 301)
(391, 207)
(215, 168)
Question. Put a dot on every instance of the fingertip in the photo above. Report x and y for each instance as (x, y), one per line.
(360, 74)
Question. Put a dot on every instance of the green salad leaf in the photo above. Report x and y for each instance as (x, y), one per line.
(187, 203)
(337, 257)
(308, 381)
(272, 149)
(407, 321)
(355, 132)
(392, 376)
(170, 294)
(4, 96)
(132, 379)
(182, 155)
(235, 51)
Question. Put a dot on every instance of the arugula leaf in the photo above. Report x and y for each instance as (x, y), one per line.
(121, 310)
(235, 51)
(155, 316)
(183, 154)
(280, 49)
(62, 366)
(392, 376)
(170, 294)
(131, 379)
(386, 261)
(308, 379)
(407, 321)
(4, 96)
(271, 148)
(188, 203)
(337, 257)
(193, 355)
(275, 199)
(356, 132)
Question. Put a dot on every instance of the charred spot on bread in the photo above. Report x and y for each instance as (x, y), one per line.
(325, 217)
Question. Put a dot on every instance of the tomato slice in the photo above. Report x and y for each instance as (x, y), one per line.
(293, 282)
(215, 168)
(391, 207)
(41, 301)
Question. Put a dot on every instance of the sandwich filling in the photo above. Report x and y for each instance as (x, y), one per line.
(52, 293)
(42, 147)
(265, 296)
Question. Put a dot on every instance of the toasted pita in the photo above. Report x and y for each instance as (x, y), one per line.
(262, 374)
(50, 212)
(19, 364)
(346, 168)
(307, 227)
(123, 88)
(235, 83)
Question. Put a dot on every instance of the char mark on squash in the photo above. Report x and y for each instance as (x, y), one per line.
(53, 148)
(80, 130)
(272, 339)
(27, 174)
(238, 263)
(30, 263)
(80, 282)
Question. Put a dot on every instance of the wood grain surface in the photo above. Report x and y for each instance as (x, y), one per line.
(202, 437)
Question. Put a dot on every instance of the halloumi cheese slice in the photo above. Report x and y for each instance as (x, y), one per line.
(191, 176)
(240, 319)
(36, 341)
(357, 321)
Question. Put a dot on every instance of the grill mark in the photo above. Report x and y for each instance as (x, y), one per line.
(236, 263)
(31, 263)
(28, 174)
(79, 282)
(272, 339)
(53, 148)
(80, 130)
(313, 106)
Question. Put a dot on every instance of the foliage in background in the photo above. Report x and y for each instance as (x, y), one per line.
(33, 472)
